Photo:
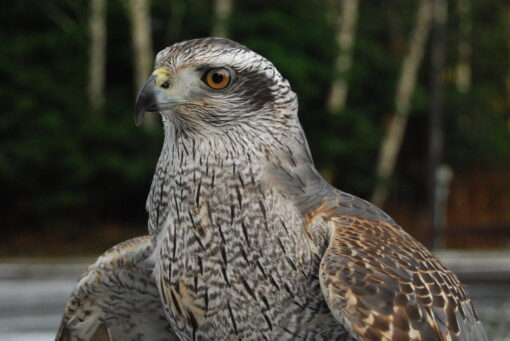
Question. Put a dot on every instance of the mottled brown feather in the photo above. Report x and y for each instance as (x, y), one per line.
(385, 285)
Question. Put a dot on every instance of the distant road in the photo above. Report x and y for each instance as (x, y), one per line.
(33, 297)
(33, 294)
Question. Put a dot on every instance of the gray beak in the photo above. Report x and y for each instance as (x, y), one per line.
(146, 100)
(154, 98)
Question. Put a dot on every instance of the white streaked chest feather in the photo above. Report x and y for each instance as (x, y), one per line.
(232, 256)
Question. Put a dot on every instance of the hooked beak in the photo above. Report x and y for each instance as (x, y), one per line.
(152, 97)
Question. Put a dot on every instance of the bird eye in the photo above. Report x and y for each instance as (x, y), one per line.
(217, 78)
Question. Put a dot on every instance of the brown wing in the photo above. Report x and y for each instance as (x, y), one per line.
(378, 281)
(384, 285)
(117, 299)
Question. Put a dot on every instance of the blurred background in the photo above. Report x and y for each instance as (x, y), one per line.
(405, 103)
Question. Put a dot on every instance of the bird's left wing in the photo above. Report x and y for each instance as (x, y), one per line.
(378, 281)
(382, 284)
(117, 299)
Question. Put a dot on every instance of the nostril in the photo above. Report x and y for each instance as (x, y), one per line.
(165, 85)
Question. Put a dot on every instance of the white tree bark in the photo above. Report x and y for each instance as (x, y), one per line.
(222, 10)
(392, 141)
(141, 41)
(463, 67)
(346, 32)
(97, 57)
(436, 204)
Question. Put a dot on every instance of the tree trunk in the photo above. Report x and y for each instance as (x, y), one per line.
(436, 178)
(392, 141)
(222, 10)
(507, 80)
(346, 32)
(463, 67)
(141, 41)
(97, 57)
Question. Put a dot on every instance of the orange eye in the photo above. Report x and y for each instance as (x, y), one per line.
(217, 78)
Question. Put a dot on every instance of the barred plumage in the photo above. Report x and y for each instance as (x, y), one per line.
(250, 243)
(117, 299)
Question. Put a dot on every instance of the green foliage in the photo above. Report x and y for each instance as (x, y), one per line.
(57, 157)
(477, 122)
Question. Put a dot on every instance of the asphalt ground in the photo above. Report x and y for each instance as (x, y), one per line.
(33, 293)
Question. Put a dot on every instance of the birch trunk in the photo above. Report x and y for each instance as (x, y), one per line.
(392, 141)
(222, 10)
(436, 203)
(463, 67)
(507, 80)
(141, 41)
(97, 57)
(346, 26)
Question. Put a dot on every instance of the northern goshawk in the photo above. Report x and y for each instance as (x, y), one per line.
(247, 240)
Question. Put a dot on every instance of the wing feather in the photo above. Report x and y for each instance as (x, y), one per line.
(117, 299)
(378, 281)
(384, 285)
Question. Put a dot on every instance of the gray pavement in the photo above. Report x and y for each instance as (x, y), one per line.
(33, 293)
(33, 297)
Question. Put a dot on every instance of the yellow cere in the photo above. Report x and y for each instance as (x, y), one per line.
(161, 74)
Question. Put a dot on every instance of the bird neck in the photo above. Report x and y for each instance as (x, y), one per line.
(241, 146)
(230, 151)
(216, 172)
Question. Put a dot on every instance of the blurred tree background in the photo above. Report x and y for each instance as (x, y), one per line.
(75, 172)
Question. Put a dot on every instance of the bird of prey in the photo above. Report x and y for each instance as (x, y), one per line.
(247, 240)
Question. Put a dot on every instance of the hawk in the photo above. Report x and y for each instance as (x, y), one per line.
(247, 240)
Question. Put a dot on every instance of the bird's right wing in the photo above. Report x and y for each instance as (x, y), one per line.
(117, 299)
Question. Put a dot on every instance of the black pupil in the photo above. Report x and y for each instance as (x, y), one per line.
(217, 78)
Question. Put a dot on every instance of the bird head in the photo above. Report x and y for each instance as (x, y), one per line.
(213, 83)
